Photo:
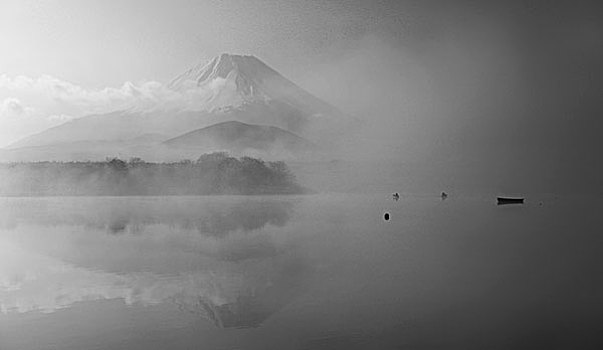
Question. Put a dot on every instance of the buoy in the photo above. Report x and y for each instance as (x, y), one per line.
(386, 216)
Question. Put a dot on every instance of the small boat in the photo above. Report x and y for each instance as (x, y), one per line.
(444, 195)
(509, 200)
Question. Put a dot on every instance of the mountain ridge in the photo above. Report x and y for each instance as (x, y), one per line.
(233, 88)
(242, 139)
(252, 79)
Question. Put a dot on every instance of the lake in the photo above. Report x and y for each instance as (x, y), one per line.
(322, 271)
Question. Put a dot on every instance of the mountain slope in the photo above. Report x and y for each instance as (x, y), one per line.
(228, 87)
(145, 146)
(236, 137)
(235, 80)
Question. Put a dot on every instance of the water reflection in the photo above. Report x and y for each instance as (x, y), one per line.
(253, 305)
(246, 216)
(215, 217)
(238, 272)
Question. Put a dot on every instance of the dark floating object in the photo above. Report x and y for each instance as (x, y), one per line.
(444, 195)
(396, 196)
(386, 216)
(509, 200)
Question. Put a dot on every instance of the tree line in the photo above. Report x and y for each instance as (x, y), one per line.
(213, 173)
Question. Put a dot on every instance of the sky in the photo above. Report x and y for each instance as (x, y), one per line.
(511, 82)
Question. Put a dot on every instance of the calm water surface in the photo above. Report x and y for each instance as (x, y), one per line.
(299, 272)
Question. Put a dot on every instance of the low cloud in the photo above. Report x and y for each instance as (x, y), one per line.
(30, 105)
(59, 118)
(12, 107)
(57, 96)
(19, 119)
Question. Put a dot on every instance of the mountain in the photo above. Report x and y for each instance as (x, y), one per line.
(235, 81)
(228, 87)
(144, 146)
(236, 137)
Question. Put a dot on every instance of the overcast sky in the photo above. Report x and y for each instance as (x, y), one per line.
(104, 43)
(445, 79)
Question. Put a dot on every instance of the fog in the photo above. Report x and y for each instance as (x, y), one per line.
(215, 173)
(504, 95)
(254, 191)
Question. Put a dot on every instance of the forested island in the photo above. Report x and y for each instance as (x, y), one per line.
(214, 173)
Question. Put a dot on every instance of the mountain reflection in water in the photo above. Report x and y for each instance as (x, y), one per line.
(236, 273)
(455, 274)
(252, 306)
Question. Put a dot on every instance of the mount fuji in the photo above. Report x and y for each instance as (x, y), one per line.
(226, 88)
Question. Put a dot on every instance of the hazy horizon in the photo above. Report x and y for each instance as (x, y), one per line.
(515, 84)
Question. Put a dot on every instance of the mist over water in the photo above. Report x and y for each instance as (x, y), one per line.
(321, 271)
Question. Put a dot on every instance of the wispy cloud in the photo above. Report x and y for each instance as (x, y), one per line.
(12, 107)
(29, 105)
(60, 96)
(56, 96)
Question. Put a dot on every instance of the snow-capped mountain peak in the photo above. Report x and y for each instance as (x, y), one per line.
(227, 87)
(230, 80)
(233, 80)
(221, 65)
